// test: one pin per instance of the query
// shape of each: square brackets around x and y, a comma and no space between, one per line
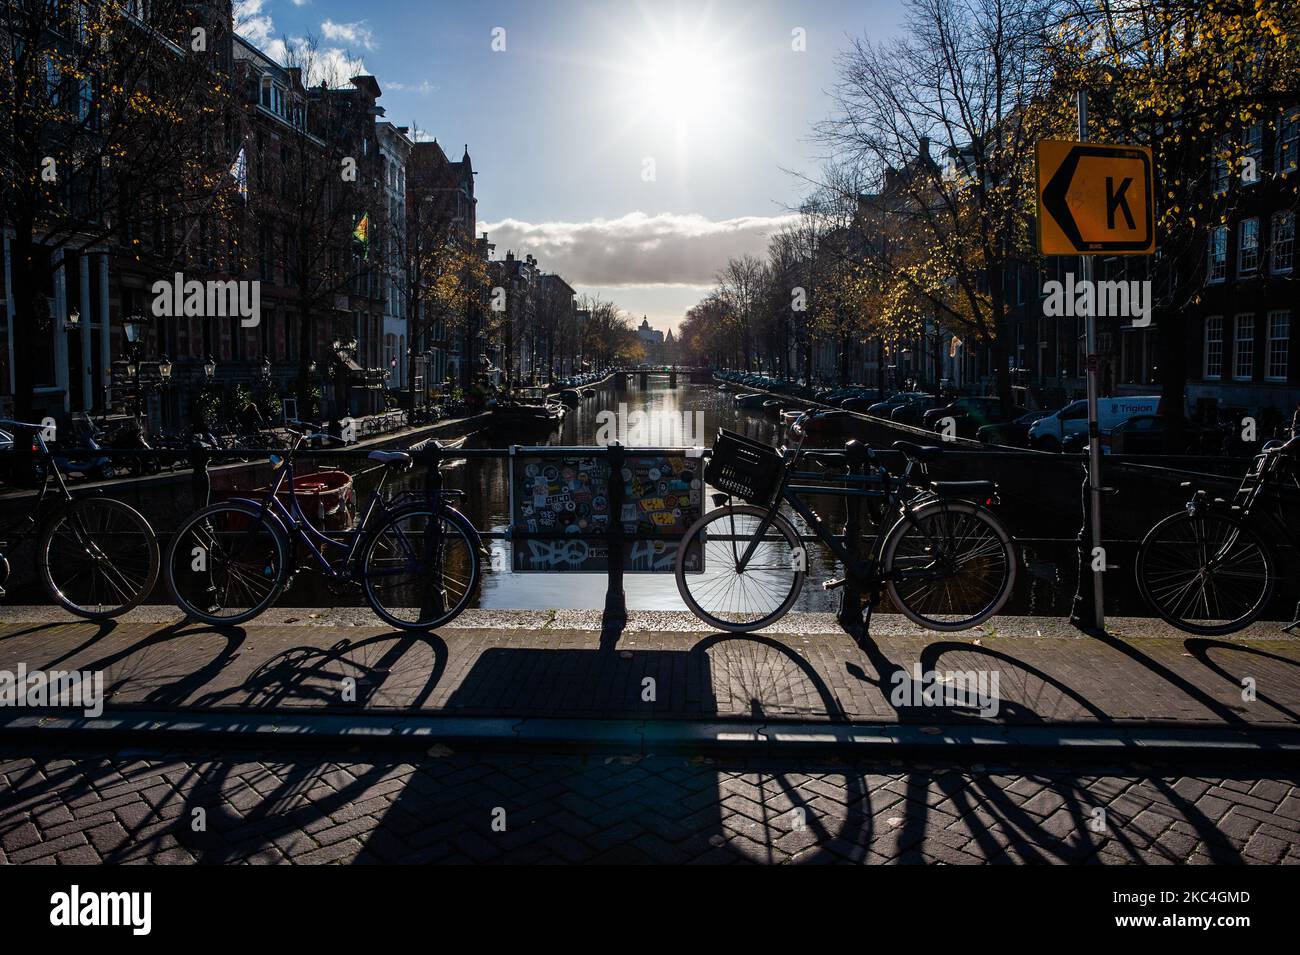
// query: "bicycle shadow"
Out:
[374,672]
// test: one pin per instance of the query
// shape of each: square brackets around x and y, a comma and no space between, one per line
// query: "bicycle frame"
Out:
[889,494]
[298,528]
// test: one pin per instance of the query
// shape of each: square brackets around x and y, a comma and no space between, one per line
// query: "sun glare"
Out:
[684,84]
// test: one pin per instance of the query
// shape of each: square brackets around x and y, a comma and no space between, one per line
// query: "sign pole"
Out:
[1094,433]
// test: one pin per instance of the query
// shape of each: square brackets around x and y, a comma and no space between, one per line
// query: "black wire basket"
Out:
[743,468]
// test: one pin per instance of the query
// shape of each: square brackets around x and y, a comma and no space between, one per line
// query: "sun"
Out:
[683,82]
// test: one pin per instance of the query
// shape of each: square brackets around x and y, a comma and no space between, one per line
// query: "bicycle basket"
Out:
[743,468]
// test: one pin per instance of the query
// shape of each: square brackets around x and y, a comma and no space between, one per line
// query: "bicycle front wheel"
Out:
[420,569]
[949,565]
[731,593]
[1205,573]
[226,564]
[98,558]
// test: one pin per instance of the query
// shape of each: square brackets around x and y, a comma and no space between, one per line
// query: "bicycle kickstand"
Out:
[1295,622]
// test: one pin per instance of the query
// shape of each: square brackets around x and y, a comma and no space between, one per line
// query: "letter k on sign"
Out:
[1094,198]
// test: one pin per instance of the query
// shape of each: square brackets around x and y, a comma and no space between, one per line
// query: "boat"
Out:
[571,397]
[528,409]
[588,392]
[752,400]
[772,408]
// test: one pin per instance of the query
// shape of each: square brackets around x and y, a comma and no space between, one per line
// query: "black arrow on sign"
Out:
[1054,200]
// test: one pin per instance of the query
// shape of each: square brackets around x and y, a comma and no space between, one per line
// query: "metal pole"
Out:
[1094,434]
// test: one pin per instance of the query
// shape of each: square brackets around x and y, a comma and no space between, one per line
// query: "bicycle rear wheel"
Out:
[949,565]
[226,564]
[98,557]
[419,570]
[730,597]
[1205,573]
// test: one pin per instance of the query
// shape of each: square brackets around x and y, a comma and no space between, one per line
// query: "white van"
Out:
[1046,434]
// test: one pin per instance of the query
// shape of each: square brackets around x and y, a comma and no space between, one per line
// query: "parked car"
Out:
[1050,432]
[913,412]
[970,414]
[1011,434]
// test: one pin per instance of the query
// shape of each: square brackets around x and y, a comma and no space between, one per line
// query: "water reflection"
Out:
[486,486]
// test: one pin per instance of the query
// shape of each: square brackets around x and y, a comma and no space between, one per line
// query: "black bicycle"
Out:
[97,557]
[946,562]
[416,558]
[1211,568]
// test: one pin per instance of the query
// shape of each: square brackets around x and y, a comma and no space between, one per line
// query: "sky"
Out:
[631,147]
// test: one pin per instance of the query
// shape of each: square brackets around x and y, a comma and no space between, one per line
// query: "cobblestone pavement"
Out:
[328,807]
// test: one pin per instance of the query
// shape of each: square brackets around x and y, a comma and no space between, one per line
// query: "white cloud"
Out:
[331,63]
[252,23]
[636,249]
[301,3]
[423,88]
[356,34]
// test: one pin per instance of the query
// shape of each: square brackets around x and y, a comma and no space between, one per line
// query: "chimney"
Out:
[923,148]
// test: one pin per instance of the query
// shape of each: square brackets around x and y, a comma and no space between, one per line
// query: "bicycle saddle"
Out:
[918,452]
[390,457]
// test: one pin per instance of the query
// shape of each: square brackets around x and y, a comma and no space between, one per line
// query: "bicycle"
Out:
[415,558]
[95,556]
[947,562]
[1208,569]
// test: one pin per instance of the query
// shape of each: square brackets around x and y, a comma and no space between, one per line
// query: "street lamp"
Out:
[266,367]
[165,368]
[209,368]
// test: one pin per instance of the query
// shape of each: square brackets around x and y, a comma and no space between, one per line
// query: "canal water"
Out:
[654,415]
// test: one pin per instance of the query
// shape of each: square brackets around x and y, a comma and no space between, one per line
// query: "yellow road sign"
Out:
[1094,198]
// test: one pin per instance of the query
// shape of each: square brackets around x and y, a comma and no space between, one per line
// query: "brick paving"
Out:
[325,807]
[555,671]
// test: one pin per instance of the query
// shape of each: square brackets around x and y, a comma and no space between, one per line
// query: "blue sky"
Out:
[630,146]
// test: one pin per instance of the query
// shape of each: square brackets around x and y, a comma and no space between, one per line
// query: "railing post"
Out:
[615,599]
[200,480]
[850,613]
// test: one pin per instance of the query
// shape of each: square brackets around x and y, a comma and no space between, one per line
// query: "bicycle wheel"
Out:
[1205,573]
[419,570]
[730,597]
[98,557]
[949,565]
[225,564]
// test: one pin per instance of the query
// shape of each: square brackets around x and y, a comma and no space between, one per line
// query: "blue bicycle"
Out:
[416,558]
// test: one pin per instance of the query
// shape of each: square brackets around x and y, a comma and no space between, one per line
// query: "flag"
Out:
[362,233]
[239,170]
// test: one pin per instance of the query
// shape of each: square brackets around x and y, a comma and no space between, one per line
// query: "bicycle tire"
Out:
[941,510]
[786,531]
[427,617]
[90,521]
[1151,574]
[183,538]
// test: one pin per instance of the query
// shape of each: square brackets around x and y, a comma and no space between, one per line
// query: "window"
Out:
[1213,346]
[1279,345]
[1288,142]
[1217,267]
[1254,154]
[1248,246]
[266,91]
[1221,165]
[1283,232]
[1243,352]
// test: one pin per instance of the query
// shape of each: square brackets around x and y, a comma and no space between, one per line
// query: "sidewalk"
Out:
[661,667]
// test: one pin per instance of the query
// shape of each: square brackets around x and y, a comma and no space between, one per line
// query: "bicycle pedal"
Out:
[832,584]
